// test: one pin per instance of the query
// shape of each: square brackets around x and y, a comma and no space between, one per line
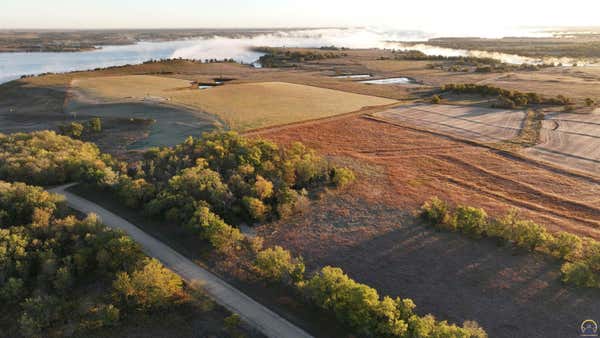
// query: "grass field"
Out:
[242,106]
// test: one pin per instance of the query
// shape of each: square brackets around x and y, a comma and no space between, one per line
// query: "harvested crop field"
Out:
[570,140]
[474,123]
[370,231]
[242,106]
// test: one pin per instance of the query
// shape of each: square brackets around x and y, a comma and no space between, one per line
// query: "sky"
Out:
[461,17]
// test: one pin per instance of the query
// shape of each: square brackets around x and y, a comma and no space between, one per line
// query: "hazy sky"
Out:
[460,16]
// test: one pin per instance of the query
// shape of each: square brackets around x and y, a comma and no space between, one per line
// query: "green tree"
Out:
[256,208]
[341,177]
[73,129]
[470,220]
[565,245]
[150,287]
[95,125]
[222,236]
[277,264]
[579,274]
[263,188]
[438,213]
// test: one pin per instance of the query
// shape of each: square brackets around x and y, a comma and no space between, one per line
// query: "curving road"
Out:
[255,314]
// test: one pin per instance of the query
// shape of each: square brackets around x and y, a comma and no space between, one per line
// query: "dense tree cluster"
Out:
[45,158]
[507,98]
[235,178]
[581,256]
[49,262]
[206,184]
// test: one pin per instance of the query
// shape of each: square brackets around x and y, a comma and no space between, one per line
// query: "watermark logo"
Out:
[588,328]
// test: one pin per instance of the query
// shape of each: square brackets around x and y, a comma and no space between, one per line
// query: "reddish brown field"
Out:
[370,231]
[417,165]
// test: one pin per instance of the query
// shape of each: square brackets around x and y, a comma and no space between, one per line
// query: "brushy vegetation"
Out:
[508,99]
[56,270]
[581,256]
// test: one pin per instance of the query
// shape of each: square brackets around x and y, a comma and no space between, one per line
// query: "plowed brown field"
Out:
[570,140]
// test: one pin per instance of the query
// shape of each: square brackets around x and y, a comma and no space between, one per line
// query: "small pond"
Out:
[353,76]
[392,80]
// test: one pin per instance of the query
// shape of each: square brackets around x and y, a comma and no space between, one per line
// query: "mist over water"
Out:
[13,65]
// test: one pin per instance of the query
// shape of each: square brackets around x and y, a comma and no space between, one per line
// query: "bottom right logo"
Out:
[588,328]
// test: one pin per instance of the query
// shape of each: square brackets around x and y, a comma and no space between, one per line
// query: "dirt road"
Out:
[263,319]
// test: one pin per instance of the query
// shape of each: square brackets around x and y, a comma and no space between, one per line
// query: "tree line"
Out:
[508,99]
[581,257]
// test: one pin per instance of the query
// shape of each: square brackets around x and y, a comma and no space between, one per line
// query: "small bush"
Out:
[232,322]
[579,274]
[565,245]
[73,129]
[437,212]
[504,103]
[530,235]
[590,102]
[341,177]
[95,125]
[435,99]
[472,221]
[101,315]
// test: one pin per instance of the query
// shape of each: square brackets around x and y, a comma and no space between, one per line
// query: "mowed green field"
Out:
[242,106]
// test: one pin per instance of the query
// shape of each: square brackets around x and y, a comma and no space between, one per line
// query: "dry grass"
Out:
[242,106]
[131,86]
[419,165]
